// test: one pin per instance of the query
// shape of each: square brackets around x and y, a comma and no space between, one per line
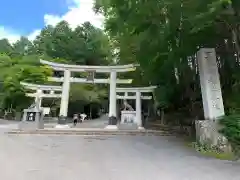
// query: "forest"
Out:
[164,36]
[20,62]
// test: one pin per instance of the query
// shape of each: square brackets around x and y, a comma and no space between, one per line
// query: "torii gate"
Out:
[138,96]
[39,92]
[67,69]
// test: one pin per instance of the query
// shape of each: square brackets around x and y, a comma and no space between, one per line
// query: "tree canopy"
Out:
[163,36]
[84,45]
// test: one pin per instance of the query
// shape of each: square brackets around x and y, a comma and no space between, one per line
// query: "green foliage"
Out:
[83,45]
[87,93]
[212,152]
[231,130]
[19,61]
[14,95]
[5,47]
[164,36]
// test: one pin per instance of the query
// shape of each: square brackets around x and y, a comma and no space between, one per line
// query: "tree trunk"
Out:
[162,116]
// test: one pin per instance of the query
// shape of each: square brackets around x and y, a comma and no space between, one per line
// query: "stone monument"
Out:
[32,118]
[128,117]
[207,130]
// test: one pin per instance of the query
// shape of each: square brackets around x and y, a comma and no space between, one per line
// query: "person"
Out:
[83,116]
[75,119]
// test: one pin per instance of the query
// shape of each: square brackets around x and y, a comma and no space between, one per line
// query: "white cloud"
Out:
[79,11]
[9,34]
[34,34]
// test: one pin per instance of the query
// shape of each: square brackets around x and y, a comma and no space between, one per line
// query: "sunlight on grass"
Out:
[210,152]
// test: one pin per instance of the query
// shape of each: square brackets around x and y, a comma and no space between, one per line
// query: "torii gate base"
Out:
[111,127]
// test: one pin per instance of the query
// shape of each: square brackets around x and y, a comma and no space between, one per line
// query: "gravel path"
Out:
[38,157]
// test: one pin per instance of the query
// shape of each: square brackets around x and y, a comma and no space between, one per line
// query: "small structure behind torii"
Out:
[137,114]
[39,94]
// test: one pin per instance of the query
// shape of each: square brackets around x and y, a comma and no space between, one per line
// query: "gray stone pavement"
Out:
[45,157]
[101,122]
[39,157]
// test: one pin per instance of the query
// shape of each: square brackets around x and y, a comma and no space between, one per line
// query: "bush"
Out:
[204,149]
[231,130]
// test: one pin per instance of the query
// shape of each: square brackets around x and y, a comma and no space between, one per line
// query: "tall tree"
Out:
[5,46]
[164,36]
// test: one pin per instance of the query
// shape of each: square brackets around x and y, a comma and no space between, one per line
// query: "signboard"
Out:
[31,116]
[90,75]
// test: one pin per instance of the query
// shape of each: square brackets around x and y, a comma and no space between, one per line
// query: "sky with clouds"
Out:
[28,17]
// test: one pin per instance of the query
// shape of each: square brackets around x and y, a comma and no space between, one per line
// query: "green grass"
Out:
[221,156]
[211,152]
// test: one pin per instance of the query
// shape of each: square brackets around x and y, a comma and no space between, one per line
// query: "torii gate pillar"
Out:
[138,109]
[112,99]
[65,97]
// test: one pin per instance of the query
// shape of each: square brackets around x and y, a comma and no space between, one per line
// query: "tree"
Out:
[164,36]
[5,46]
[19,61]
[22,47]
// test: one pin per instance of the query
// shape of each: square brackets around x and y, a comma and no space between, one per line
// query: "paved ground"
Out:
[39,157]
[96,123]
[29,157]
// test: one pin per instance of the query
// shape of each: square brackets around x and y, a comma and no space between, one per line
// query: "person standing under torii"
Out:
[75,119]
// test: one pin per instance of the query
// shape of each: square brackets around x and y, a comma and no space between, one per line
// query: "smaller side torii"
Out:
[39,94]
[138,96]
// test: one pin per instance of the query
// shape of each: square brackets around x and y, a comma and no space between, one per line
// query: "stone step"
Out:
[130,126]
[91,132]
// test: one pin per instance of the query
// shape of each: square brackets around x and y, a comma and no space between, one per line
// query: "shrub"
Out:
[231,130]
[206,150]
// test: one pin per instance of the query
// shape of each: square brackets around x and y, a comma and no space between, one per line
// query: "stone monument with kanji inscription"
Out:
[32,118]
[207,130]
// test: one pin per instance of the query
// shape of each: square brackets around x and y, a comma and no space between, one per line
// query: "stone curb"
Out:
[84,132]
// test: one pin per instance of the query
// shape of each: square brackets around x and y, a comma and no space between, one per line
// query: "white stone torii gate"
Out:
[39,91]
[133,97]
[95,81]
[67,69]
[138,91]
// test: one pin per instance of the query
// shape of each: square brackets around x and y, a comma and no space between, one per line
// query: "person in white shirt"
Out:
[82,117]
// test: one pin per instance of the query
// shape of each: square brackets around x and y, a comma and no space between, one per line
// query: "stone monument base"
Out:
[32,119]
[62,126]
[112,120]
[62,120]
[128,117]
[131,126]
[111,127]
[207,133]
[128,121]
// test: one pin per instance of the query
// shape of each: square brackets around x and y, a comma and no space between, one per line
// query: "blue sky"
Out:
[24,16]
[28,17]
